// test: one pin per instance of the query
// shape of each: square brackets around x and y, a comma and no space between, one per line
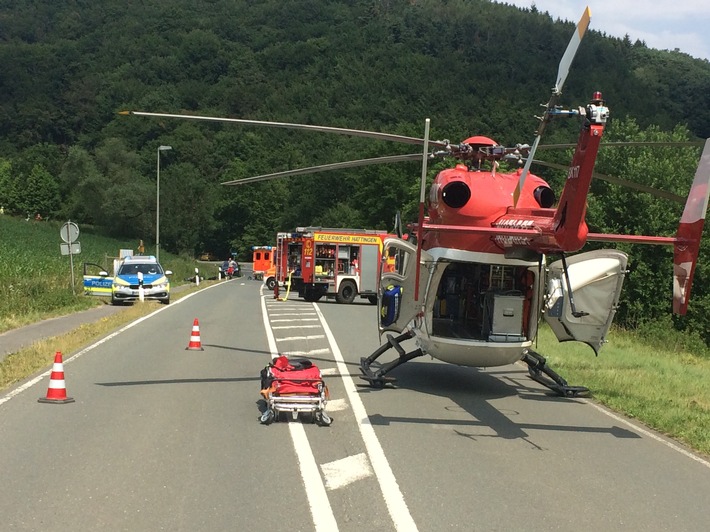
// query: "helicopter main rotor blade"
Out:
[630,144]
[287,125]
[622,182]
[326,167]
[562,72]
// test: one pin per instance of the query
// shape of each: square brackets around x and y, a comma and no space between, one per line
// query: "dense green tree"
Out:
[40,192]
[127,203]
[186,208]
[8,192]
[83,187]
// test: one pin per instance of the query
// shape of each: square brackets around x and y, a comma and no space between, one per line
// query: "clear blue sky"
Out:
[661,24]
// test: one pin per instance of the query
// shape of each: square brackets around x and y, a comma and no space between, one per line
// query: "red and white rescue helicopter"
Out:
[472,281]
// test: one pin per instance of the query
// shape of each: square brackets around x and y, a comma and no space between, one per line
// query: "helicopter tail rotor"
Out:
[562,72]
[690,230]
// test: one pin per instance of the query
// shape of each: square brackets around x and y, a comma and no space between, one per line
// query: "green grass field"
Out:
[657,376]
[36,279]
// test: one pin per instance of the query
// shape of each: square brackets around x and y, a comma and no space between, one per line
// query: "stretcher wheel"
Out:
[323,419]
[267,417]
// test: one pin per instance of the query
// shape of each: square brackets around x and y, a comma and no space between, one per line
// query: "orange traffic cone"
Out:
[57,392]
[195,343]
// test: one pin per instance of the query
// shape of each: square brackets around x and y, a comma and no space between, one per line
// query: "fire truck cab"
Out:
[338,263]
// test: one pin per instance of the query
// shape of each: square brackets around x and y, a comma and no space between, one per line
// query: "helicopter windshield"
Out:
[135,269]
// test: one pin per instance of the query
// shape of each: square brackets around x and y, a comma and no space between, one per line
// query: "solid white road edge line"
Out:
[648,433]
[640,429]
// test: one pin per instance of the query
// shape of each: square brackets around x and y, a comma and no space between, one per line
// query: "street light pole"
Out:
[157,204]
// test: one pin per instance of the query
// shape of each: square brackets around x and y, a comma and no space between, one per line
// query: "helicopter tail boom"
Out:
[568,223]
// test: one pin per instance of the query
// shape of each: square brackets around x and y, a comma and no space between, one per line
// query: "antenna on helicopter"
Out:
[422,196]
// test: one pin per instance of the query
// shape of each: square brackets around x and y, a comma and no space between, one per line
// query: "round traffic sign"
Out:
[69,232]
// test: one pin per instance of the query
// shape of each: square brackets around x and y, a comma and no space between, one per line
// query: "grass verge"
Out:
[668,391]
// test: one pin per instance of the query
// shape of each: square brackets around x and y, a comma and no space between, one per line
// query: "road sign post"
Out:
[70,249]
[69,233]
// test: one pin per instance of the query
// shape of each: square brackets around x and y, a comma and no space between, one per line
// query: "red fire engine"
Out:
[339,263]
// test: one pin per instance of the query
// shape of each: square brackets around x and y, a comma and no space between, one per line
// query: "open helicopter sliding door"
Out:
[396,304]
[581,304]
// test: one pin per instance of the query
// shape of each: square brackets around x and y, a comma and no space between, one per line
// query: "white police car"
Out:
[140,273]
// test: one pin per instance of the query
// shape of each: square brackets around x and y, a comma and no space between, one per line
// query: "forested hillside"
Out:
[472,66]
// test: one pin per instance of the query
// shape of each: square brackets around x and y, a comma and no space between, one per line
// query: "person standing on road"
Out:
[225,268]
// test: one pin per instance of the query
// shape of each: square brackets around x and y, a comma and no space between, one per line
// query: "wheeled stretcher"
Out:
[294,386]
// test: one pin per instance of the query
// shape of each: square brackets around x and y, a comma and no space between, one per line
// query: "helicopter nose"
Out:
[544,196]
[456,194]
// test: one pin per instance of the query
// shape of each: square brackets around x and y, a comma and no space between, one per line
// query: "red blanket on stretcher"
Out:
[294,379]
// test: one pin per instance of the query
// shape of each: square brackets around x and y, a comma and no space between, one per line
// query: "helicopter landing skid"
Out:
[378,378]
[540,372]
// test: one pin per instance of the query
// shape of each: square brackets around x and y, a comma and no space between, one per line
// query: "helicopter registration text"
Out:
[509,241]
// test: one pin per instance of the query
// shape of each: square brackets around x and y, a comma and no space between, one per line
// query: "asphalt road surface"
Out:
[164,438]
